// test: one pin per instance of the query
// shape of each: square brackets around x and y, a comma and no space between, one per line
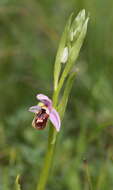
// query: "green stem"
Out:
[61,82]
[45,172]
[48,162]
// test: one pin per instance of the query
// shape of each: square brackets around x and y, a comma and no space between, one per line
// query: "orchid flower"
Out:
[44,111]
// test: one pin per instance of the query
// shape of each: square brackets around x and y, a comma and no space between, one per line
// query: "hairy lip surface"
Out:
[41,119]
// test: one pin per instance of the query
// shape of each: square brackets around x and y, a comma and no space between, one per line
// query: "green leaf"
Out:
[57,67]
[63,103]
[64,100]
[74,52]
[17,183]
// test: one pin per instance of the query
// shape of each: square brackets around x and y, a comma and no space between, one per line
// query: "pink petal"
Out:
[44,99]
[55,119]
[34,109]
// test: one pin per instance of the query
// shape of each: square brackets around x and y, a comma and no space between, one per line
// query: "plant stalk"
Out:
[45,172]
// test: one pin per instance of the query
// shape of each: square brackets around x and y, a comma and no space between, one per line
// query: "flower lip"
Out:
[40,119]
[43,112]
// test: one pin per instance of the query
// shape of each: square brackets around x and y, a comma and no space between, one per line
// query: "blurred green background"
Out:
[30,31]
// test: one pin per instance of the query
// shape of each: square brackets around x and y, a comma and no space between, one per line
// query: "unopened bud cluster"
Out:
[72,35]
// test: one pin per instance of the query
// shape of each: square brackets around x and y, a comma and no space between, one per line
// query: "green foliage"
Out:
[17,183]
[29,35]
[65,97]
[62,45]
[77,26]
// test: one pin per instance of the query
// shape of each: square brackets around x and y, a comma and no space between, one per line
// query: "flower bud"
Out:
[77,26]
[64,57]
[80,15]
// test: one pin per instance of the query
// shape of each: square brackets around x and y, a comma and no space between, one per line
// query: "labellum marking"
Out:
[40,119]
